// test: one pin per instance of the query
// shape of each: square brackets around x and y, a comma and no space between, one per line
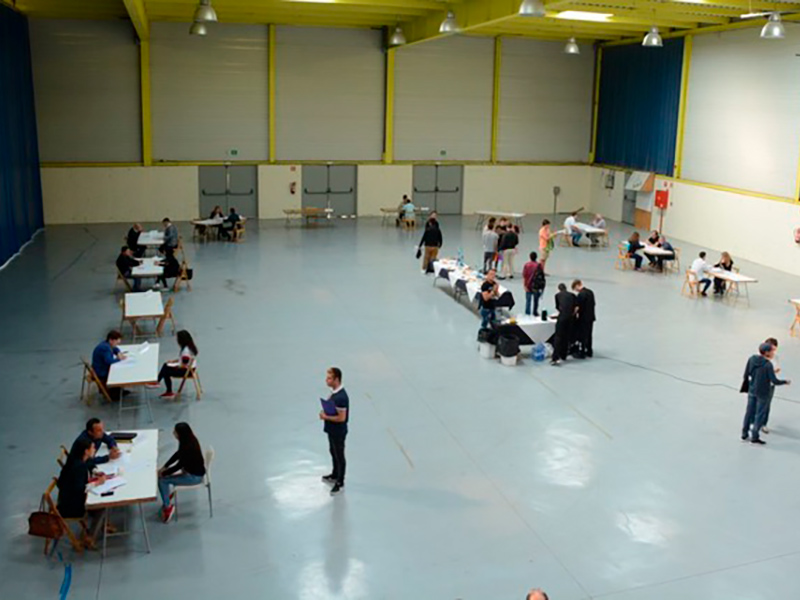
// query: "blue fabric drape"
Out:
[637,117]
[21,212]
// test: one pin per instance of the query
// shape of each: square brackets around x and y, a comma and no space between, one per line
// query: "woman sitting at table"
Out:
[653,239]
[725,262]
[72,482]
[634,245]
[185,467]
[217,213]
[177,368]
[172,268]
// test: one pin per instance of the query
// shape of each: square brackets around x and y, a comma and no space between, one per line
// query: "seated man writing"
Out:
[125,264]
[105,354]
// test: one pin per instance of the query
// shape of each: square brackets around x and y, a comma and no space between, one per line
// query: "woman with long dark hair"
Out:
[185,467]
[177,368]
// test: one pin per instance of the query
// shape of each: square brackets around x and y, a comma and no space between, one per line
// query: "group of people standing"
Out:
[575,322]
[500,241]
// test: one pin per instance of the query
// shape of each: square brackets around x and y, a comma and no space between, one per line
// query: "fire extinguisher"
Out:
[293,188]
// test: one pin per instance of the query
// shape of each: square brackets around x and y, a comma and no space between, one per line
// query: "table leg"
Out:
[144,528]
[104,525]
[480,222]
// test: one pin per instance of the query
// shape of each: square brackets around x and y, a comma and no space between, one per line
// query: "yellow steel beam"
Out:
[498,65]
[271,70]
[397,6]
[470,14]
[555,36]
[147,132]
[229,11]
[138,17]
[665,17]
[568,28]
[598,65]
[388,113]
[687,61]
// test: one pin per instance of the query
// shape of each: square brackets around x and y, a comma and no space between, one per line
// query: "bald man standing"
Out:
[536,594]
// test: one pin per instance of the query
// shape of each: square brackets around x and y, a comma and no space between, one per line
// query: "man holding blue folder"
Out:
[335,413]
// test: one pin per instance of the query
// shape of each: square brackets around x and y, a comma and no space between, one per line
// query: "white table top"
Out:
[151,238]
[148,268]
[139,368]
[143,304]
[215,221]
[656,251]
[795,301]
[584,228]
[494,213]
[732,276]
[534,327]
[138,466]
[471,277]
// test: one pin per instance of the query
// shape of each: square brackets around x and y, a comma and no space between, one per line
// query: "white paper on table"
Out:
[108,469]
[111,484]
[145,347]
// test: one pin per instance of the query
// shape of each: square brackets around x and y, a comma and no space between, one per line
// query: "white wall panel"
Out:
[329,94]
[210,95]
[443,100]
[743,113]
[545,102]
[86,82]
[382,186]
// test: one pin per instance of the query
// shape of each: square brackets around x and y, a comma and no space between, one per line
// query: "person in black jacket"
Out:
[565,305]
[125,264]
[132,240]
[172,268]
[185,467]
[506,247]
[759,377]
[74,478]
[432,241]
[586,318]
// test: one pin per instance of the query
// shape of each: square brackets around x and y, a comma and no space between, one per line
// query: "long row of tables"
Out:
[466,281]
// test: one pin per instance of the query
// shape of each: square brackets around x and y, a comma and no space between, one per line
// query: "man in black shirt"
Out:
[336,428]
[490,290]
[125,264]
[586,318]
[565,305]
[229,224]
[133,240]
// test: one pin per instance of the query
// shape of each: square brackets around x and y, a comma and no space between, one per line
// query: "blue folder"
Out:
[329,407]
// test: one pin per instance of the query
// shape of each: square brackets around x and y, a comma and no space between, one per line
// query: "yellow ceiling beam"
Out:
[586,30]
[470,14]
[228,12]
[396,5]
[666,16]
[138,17]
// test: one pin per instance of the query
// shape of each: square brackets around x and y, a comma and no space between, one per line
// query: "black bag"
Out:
[539,282]
[419,253]
[745,389]
[189,274]
[487,336]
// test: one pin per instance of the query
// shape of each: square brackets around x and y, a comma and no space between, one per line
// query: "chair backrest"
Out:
[168,306]
[210,454]
[62,456]
[95,379]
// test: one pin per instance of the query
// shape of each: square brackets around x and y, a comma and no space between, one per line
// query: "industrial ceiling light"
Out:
[572,47]
[449,25]
[198,29]
[532,8]
[398,38]
[205,13]
[774,29]
[653,39]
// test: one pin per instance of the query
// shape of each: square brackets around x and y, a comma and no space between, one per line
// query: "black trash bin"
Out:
[487,336]
[508,346]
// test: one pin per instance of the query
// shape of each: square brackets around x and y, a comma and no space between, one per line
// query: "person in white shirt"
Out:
[177,368]
[572,229]
[701,269]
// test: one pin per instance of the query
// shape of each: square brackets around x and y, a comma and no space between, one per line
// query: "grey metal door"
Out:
[424,183]
[342,189]
[448,189]
[330,186]
[315,186]
[229,186]
[439,188]
[243,190]
[629,207]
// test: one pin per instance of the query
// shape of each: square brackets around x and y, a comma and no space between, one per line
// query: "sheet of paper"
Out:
[111,484]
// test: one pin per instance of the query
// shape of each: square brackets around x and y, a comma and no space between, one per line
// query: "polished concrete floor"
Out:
[621,477]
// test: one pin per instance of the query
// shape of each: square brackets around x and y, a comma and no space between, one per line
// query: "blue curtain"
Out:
[21,213]
[637,117]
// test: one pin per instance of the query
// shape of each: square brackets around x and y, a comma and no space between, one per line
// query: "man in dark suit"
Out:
[586,318]
[565,305]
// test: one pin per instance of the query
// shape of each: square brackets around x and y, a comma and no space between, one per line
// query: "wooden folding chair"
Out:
[126,284]
[166,316]
[691,287]
[50,506]
[796,323]
[239,231]
[183,277]
[675,264]
[409,223]
[564,238]
[63,453]
[191,373]
[90,377]
[623,262]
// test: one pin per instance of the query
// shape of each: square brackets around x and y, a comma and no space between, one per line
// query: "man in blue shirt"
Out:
[336,428]
[105,354]
[96,434]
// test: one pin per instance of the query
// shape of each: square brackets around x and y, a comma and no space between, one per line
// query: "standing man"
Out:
[336,428]
[776,366]
[170,236]
[586,318]
[534,282]
[432,241]
[759,376]
[489,239]
[565,305]
[701,268]
[490,290]
[546,243]
[507,246]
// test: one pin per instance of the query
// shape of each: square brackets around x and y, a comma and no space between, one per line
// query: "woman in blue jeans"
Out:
[185,467]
